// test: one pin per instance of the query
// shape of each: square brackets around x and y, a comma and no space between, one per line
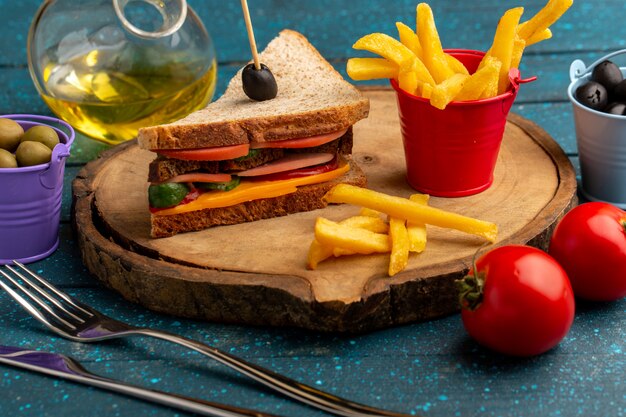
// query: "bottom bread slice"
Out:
[306,198]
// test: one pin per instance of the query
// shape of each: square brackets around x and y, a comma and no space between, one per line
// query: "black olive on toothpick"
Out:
[259,84]
[258,81]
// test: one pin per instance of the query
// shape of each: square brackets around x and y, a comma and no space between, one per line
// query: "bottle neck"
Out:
[173,14]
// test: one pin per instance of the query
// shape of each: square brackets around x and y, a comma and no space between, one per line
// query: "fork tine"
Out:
[52,288]
[29,307]
[45,295]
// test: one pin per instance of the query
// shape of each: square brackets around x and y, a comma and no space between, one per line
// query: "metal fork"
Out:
[76,321]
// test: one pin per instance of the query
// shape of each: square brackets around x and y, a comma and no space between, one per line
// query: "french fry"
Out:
[491,84]
[445,92]
[317,253]
[518,49]
[373,224]
[420,198]
[417,231]
[369,212]
[549,14]
[362,241]
[403,208]
[408,81]
[538,37]
[371,69]
[409,38]
[337,252]
[502,47]
[456,65]
[421,67]
[433,54]
[480,81]
[426,90]
[423,75]
[389,48]
[399,238]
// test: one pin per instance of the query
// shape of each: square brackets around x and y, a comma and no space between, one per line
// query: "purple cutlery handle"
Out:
[65,367]
[37,359]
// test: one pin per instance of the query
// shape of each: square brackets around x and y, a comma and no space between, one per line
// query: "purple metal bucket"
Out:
[30,198]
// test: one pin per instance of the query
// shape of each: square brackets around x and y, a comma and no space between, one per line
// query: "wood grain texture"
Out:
[254,272]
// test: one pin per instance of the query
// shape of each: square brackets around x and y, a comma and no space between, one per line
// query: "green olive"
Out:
[7,159]
[32,153]
[43,134]
[10,134]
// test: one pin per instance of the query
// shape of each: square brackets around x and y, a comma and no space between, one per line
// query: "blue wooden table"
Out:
[429,369]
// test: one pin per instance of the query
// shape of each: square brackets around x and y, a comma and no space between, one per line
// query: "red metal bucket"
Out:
[453,152]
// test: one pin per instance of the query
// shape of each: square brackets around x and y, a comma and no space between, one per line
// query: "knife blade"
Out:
[65,367]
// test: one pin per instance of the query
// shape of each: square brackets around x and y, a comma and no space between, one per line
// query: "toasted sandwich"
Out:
[239,160]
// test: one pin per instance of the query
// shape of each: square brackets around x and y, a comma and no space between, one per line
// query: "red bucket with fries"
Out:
[453,152]
[453,104]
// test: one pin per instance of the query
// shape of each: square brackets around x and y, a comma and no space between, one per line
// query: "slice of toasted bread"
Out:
[312,99]
[306,198]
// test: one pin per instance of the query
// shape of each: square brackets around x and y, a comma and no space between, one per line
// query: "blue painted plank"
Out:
[20,95]
[336,24]
[85,149]
[410,368]
[428,368]
[494,390]
[555,117]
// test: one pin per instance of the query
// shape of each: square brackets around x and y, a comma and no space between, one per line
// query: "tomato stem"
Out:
[471,290]
[623,222]
[471,286]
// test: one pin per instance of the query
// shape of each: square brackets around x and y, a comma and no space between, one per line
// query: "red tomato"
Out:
[590,244]
[523,304]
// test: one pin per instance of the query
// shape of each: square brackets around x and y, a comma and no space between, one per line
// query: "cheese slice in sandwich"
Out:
[239,160]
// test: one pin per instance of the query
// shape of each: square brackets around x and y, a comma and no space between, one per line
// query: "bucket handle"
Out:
[50,176]
[578,69]
[516,79]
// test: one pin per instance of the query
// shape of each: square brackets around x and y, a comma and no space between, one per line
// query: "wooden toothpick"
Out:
[246,16]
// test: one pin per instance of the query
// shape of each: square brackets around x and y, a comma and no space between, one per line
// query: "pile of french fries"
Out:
[403,231]
[421,67]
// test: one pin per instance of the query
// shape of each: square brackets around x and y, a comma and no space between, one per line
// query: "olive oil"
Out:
[112,106]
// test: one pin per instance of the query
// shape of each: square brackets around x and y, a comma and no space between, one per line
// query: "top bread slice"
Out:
[312,99]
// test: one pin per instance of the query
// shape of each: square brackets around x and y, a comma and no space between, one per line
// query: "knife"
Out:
[68,368]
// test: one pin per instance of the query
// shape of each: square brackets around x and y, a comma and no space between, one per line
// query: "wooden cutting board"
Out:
[254,273]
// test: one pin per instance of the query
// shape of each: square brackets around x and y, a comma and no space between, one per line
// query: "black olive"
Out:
[608,74]
[616,108]
[259,84]
[620,91]
[592,95]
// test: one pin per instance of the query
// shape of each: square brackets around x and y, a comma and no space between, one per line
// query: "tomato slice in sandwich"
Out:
[301,172]
[219,153]
[300,143]
[288,163]
[201,177]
